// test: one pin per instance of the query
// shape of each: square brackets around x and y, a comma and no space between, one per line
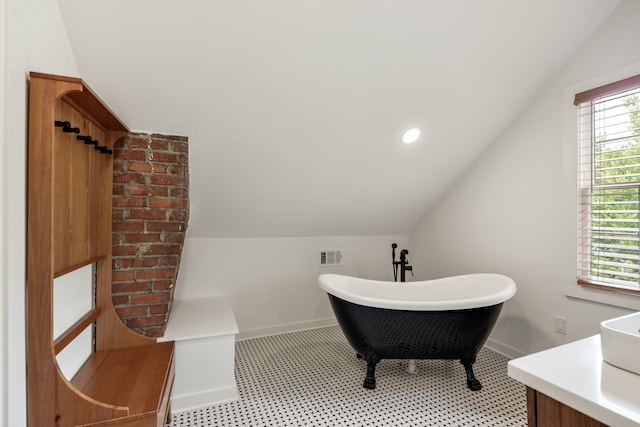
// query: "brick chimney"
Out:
[150,216]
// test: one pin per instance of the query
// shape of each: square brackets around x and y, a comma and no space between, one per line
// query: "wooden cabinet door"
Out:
[544,411]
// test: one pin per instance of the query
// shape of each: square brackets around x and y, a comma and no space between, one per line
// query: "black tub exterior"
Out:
[380,333]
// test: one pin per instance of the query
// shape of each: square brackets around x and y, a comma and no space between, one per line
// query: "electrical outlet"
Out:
[561,325]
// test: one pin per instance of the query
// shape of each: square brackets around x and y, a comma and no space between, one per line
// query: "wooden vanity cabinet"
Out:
[543,411]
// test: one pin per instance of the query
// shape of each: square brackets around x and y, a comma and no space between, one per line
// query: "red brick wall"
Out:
[150,215]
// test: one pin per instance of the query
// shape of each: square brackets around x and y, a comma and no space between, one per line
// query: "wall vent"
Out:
[329,257]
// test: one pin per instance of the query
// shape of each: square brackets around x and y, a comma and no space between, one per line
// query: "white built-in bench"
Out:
[204,330]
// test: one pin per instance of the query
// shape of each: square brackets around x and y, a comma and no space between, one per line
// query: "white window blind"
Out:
[609,186]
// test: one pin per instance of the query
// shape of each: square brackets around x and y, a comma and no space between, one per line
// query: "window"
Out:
[609,186]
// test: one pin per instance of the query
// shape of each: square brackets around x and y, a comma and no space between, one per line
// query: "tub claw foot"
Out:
[369,383]
[370,379]
[472,381]
[474,384]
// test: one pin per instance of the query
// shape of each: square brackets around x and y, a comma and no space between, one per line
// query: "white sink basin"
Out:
[620,338]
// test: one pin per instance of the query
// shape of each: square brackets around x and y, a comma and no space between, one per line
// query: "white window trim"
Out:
[569,154]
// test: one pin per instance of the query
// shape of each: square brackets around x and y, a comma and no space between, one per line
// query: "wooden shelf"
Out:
[137,378]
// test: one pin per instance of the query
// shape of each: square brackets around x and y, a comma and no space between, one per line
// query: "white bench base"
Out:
[204,330]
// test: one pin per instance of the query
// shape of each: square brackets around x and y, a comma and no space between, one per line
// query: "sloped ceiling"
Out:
[294,109]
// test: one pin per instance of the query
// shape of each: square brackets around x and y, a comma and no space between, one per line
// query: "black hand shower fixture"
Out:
[404,267]
[403,263]
[393,261]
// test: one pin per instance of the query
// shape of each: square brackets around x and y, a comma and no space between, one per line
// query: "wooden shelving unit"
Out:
[128,378]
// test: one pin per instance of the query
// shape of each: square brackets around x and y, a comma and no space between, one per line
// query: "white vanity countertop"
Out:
[576,375]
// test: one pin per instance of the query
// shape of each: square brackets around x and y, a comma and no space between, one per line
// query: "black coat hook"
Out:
[87,139]
[103,149]
[66,126]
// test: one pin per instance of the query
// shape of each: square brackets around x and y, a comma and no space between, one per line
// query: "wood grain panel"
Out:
[61,175]
[551,413]
[133,376]
[79,155]
[532,411]
[99,182]
[71,175]
[42,373]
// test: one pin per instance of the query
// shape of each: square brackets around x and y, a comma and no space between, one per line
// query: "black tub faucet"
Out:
[403,263]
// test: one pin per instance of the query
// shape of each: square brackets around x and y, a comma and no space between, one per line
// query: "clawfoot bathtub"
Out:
[449,318]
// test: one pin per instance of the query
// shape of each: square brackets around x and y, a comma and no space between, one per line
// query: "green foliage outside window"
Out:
[615,196]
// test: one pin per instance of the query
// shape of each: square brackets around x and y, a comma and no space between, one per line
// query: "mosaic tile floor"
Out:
[312,378]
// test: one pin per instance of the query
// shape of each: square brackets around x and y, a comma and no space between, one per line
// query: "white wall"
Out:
[271,282]
[13,212]
[4,137]
[508,213]
[32,38]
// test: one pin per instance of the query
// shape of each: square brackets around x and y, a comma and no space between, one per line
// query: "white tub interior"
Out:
[449,293]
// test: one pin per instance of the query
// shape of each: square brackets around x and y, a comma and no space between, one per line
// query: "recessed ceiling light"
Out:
[411,136]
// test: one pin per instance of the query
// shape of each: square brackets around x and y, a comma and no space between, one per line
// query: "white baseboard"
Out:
[504,349]
[203,399]
[285,328]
